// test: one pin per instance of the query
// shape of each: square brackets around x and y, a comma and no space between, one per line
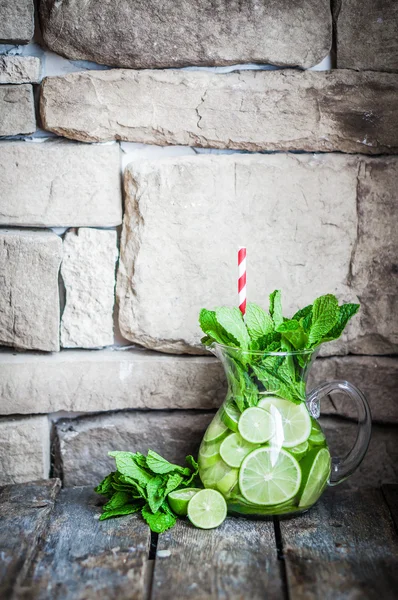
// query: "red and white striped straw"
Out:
[242,279]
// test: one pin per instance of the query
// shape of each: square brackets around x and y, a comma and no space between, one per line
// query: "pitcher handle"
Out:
[343,467]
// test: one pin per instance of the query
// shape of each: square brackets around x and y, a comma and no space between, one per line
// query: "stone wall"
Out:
[124,193]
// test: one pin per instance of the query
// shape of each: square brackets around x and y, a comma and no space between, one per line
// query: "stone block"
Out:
[17,110]
[29,299]
[19,69]
[16,21]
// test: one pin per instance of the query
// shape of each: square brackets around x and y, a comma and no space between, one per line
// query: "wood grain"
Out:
[390,493]
[236,561]
[83,558]
[24,514]
[345,547]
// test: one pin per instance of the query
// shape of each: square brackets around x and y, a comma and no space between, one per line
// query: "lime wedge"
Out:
[234,449]
[292,421]
[299,451]
[179,499]
[228,482]
[317,478]
[216,430]
[256,425]
[212,475]
[269,476]
[230,415]
[317,436]
[207,509]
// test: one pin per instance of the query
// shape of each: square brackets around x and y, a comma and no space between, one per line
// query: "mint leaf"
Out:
[160,521]
[140,459]
[213,330]
[293,332]
[303,312]
[156,492]
[126,465]
[119,499]
[258,322]
[192,462]
[232,321]
[127,509]
[346,312]
[275,307]
[160,465]
[105,488]
[173,482]
[325,312]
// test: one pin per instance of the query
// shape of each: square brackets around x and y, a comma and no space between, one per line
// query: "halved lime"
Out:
[209,453]
[178,500]
[318,476]
[234,449]
[228,482]
[230,415]
[299,451]
[317,437]
[207,509]
[216,430]
[212,475]
[292,421]
[269,476]
[256,425]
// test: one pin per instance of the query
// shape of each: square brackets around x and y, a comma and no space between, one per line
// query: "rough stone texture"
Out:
[298,216]
[376,376]
[250,110]
[24,449]
[87,381]
[83,443]
[29,299]
[88,272]
[17,109]
[156,34]
[83,381]
[19,69]
[367,34]
[58,183]
[16,21]
[380,464]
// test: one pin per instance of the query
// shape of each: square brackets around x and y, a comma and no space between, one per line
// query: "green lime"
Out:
[207,509]
[179,499]
[230,415]
[299,451]
[256,425]
[269,476]
[234,449]
[216,430]
[212,475]
[317,478]
[317,437]
[209,453]
[228,482]
[292,421]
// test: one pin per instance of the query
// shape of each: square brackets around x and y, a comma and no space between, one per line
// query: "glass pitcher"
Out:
[265,450]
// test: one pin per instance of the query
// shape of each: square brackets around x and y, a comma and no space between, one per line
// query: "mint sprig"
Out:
[142,483]
[262,332]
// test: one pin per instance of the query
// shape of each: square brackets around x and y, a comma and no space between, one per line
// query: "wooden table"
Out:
[52,546]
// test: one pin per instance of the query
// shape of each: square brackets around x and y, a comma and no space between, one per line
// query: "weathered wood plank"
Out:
[390,493]
[345,547]
[237,560]
[83,558]
[24,514]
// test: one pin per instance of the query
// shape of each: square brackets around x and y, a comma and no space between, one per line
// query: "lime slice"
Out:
[230,415]
[179,499]
[317,436]
[269,476]
[256,425]
[212,475]
[216,430]
[292,421]
[317,479]
[207,509]
[299,451]
[228,482]
[234,449]
[209,453]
